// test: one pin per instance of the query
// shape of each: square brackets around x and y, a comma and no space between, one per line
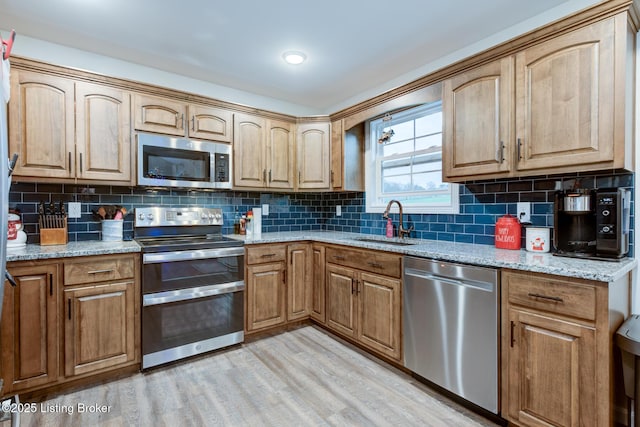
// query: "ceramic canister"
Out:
[538,239]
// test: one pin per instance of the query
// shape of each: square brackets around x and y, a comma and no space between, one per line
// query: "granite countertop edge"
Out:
[34,252]
[483,255]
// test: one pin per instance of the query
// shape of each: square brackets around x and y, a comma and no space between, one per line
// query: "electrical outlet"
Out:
[75,210]
[265,209]
[338,210]
[524,212]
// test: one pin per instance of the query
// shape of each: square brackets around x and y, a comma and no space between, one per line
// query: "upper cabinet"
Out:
[347,157]
[313,146]
[263,152]
[171,117]
[571,110]
[66,130]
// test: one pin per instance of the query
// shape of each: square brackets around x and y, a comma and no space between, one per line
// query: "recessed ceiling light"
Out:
[294,57]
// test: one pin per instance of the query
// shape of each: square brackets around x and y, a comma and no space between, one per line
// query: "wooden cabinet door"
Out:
[280,155]
[337,144]
[318,284]
[565,99]
[41,125]
[341,300]
[29,334]
[313,146]
[478,118]
[266,299]
[99,327]
[103,128]
[379,303]
[210,123]
[299,281]
[160,115]
[249,145]
[550,378]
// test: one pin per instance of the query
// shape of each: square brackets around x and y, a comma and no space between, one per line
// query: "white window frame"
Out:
[373,166]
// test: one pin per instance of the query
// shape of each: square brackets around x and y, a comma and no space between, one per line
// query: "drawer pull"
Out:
[338,257]
[538,296]
[110,270]
[268,255]
[375,265]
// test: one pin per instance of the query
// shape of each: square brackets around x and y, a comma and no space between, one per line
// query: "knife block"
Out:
[54,236]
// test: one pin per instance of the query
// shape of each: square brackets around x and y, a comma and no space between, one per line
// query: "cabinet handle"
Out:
[519,143]
[358,287]
[111,270]
[69,161]
[269,175]
[513,326]
[180,120]
[193,123]
[375,265]
[264,175]
[500,154]
[338,257]
[50,284]
[332,177]
[69,305]
[299,177]
[80,162]
[284,276]
[267,255]
[539,296]
[352,287]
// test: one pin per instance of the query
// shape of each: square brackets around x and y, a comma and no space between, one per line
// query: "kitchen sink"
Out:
[384,242]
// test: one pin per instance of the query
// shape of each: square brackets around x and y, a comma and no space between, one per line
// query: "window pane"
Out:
[397,148]
[429,181]
[402,131]
[429,141]
[396,184]
[403,170]
[429,124]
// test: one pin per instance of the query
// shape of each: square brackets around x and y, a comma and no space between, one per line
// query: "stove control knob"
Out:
[203,216]
[150,217]
[218,216]
[141,217]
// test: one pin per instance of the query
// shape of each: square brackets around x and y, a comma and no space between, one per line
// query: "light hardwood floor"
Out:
[302,377]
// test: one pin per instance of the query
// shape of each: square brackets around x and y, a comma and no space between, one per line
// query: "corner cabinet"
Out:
[314,156]
[364,298]
[30,333]
[172,117]
[265,286]
[558,359]
[69,130]
[571,111]
[263,152]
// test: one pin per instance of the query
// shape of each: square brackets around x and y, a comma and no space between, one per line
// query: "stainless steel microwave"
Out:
[165,161]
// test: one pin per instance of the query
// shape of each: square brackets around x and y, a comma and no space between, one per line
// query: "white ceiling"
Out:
[352,46]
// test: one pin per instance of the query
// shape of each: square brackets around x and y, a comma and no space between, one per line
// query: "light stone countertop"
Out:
[71,249]
[485,255]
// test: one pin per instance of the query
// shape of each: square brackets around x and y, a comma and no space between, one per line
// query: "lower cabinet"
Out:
[318,284]
[265,290]
[299,286]
[558,360]
[69,319]
[362,305]
[30,344]
[99,327]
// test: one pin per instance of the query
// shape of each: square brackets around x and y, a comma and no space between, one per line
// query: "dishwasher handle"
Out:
[426,275]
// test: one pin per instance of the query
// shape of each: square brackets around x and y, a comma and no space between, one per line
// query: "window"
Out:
[407,166]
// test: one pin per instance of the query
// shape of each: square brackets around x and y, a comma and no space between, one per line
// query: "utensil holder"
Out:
[112,230]
[54,236]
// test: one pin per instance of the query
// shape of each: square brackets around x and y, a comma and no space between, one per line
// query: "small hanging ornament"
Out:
[386,135]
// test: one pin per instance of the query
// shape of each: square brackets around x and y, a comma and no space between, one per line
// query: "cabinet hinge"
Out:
[513,326]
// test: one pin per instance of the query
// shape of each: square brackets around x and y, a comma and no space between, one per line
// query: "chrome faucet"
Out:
[402,232]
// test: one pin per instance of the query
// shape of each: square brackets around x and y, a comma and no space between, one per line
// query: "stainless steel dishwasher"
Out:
[451,324]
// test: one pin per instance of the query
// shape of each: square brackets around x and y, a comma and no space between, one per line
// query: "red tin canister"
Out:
[508,232]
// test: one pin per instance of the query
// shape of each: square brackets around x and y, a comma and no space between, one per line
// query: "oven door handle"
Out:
[155,258]
[191,293]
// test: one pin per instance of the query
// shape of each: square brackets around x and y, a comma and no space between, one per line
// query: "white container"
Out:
[538,239]
[257,223]
[112,230]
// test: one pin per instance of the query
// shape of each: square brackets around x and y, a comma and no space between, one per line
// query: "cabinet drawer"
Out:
[98,270]
[267,253]
[374,262]
[552,295]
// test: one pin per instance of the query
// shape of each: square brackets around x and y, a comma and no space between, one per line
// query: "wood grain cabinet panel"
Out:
[266,295]
[280,154]
[314,155]
[161,115]
[249,145]
[92,270]
[341,300]
[42,125]
[29,334]
[318,311]
[103,133]
[210,123]
[99,327]
[299,281]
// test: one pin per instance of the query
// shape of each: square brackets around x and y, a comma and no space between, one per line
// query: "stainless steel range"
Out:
[192,283]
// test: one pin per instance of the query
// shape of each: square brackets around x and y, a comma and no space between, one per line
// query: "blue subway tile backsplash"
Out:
[481,204]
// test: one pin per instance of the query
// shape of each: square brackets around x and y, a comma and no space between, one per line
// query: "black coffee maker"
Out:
[592,223]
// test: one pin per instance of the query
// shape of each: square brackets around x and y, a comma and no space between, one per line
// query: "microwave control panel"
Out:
[221,168]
